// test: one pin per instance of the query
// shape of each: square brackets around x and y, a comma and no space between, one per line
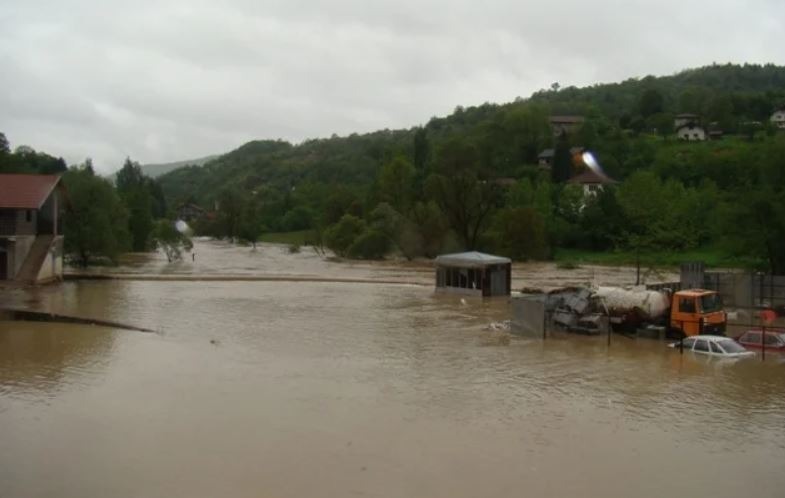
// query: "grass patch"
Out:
[299,238]
[712,257]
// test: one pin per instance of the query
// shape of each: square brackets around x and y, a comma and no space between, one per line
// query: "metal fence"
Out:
[748,290]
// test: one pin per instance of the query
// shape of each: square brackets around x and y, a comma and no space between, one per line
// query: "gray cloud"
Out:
[168,80]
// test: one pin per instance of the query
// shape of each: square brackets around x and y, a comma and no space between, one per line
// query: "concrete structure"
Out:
[31,241]
[778,118]
[474,274]
[691,133]
[591,181]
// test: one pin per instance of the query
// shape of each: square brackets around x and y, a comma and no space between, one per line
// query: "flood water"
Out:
[289,387]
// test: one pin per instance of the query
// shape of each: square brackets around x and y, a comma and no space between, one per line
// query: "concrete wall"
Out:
[52,267]
[17,255]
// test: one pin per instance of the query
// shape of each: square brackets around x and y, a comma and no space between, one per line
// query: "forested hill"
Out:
[471,180]
[508,137]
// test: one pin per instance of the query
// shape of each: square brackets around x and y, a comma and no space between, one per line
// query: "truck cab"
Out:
[697,311]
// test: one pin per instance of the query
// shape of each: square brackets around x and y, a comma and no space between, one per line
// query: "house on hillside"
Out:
[190,212]
[545,159]
[685,119]
[691,133]
[591,182]
[778,118]
[565,124]
[31,240]
[473,274]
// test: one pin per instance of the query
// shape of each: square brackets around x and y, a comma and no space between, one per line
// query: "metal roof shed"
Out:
[473,273]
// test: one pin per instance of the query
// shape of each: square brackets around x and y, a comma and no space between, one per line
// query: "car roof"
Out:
[714,338]
[695,292]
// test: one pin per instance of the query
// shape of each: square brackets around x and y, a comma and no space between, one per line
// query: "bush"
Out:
[372,244]
[343,234]
[296,219]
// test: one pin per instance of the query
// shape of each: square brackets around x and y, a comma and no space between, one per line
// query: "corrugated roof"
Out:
[26,191]
[590,177]
[471,259]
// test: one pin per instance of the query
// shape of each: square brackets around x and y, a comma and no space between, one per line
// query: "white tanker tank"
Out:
[649,305]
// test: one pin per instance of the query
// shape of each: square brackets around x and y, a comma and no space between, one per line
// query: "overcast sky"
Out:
[168,80]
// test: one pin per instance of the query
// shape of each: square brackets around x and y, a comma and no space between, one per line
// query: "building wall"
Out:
[778,118]
[52,267]
[691,134]
[26,221]
[18,254]
[7,222]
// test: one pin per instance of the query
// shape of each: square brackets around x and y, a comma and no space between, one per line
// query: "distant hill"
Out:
[504,138]
[156,170]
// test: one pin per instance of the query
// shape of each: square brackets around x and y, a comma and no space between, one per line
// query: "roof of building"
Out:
[547,153]
[566,119]
[19,191]
[471,259]
[591,177]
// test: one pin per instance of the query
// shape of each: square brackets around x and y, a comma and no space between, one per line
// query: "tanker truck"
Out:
[684,312]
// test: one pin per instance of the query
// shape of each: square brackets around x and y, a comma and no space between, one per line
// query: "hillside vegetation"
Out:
[471,180]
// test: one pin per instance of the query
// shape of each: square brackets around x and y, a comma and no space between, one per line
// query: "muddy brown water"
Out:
[297,388]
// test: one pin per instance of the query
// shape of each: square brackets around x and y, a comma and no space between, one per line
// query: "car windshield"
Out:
[711,303]
[732,347]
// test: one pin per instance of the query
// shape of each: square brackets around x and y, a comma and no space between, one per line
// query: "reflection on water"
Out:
[330,389]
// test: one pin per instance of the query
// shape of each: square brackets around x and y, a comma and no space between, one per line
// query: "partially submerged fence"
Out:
[535,317]
[747,290]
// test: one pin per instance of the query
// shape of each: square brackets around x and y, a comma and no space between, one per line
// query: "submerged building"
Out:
[31,240]
[473,273]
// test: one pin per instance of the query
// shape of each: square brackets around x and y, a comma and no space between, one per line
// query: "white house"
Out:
[691,133]
[591,182]
[684,119]
[778,118]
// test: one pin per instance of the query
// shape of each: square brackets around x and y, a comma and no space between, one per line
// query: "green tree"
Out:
[466,200]
[135,190]
[520,234]
[170,240]
[561,169]
[341,236]
[651,102]
[396,180]
[96,223]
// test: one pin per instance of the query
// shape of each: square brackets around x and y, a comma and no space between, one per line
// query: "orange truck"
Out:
[697,311]
[684,312]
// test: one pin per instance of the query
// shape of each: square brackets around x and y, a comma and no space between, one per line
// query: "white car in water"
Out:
[714,345]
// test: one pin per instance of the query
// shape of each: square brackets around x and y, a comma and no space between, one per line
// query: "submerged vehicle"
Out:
[774,339]
[714,345]
[683,313]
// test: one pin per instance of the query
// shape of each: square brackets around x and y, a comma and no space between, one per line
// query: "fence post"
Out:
[763,343]
[609,329]
[681,339]
[544,323]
